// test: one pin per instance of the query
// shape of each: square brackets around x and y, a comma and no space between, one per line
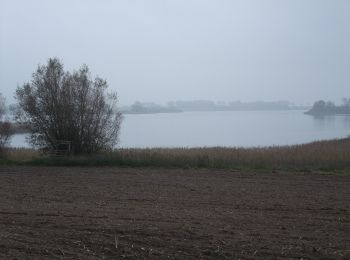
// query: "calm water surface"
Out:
[228,128]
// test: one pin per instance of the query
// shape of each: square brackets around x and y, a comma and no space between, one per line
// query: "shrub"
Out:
[59,105]
[5,126]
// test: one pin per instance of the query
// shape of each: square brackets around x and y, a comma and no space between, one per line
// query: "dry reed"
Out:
[321,155]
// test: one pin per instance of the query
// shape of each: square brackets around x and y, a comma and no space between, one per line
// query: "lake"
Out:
[225,128]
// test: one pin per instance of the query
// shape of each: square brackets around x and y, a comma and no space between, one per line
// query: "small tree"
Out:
[5,126]
[59,105]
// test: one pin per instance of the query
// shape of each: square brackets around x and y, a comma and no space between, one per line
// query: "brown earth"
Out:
[115,213]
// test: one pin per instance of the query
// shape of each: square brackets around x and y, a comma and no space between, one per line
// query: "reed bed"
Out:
[321,155]
[20,154]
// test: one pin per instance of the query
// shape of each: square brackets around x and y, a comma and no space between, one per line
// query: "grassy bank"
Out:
[331,155]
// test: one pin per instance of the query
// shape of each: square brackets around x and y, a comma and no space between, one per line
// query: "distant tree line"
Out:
[322,107]
[149,108]
[207,105]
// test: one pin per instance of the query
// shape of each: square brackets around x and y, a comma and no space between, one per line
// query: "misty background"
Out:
[161,50]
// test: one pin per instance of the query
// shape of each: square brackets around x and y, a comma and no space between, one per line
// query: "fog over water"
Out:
[225,128]
[162,50]
[218,50]
[230,128]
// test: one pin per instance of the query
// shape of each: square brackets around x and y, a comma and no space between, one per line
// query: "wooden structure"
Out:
[60,148]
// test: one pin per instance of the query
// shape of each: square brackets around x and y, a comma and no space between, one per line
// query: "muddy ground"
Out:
[112,213]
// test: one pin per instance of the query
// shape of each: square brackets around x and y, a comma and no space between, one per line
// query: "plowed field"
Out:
[116,213]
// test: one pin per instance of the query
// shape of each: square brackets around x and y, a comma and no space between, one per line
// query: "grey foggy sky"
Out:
[297,50]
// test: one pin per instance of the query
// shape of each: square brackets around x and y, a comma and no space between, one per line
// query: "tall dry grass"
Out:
[329,155]
[20,154]
[322,155]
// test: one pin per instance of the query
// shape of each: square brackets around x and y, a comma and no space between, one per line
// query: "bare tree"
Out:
[59,105]
[5,126]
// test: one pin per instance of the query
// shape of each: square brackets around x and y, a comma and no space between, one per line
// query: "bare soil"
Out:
[116,213]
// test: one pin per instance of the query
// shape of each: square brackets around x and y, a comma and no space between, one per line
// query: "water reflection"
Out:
[331,121]
[346,122]
[20,141]
[324,122]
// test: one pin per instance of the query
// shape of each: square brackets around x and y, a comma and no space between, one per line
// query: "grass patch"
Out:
[333,155]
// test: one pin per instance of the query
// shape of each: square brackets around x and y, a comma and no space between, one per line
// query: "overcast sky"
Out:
[297,50]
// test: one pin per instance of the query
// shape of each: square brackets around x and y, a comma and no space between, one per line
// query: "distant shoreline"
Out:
[129,112]
[207,106]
